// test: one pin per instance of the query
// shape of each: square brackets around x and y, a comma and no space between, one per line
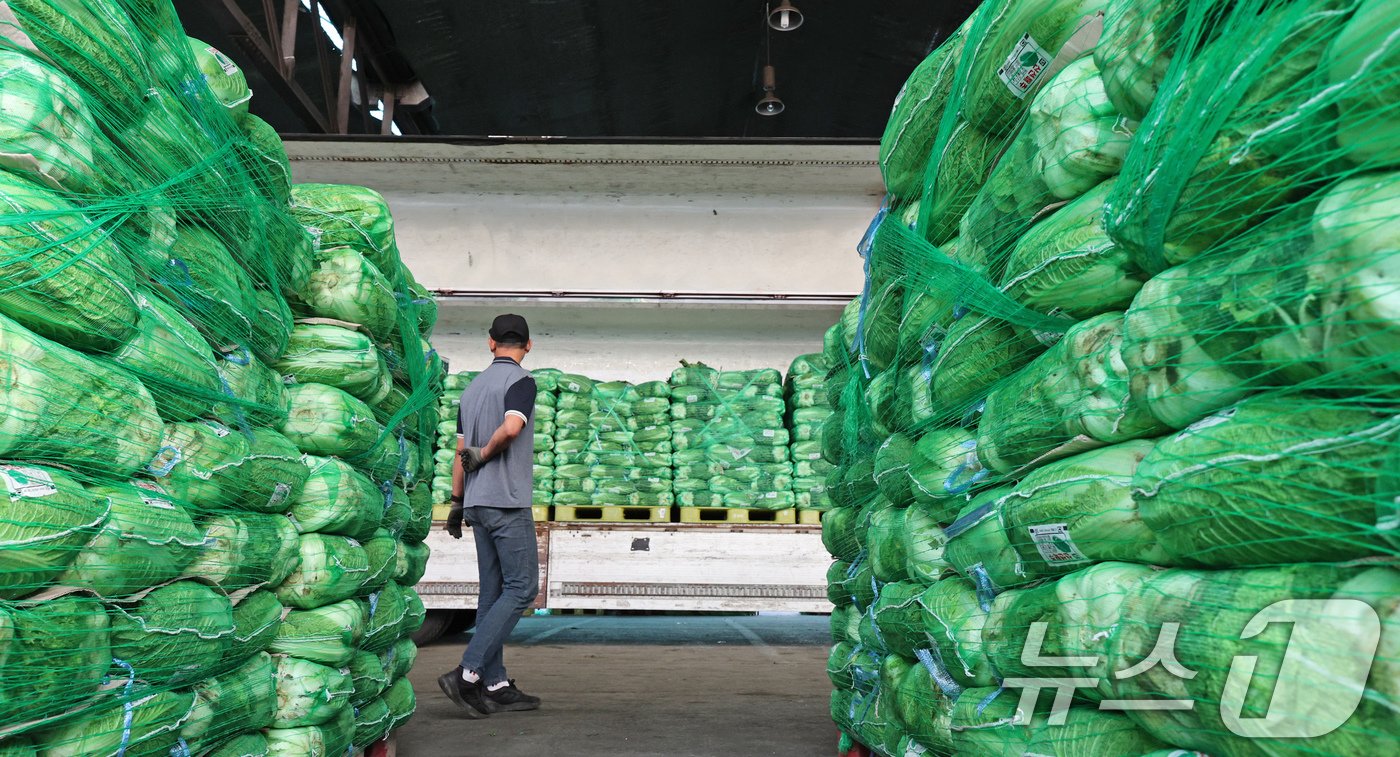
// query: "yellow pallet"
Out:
[540,512]
[810,517]
[736,515]
[611,514]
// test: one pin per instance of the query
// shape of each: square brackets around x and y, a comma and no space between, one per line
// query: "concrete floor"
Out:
[681,686]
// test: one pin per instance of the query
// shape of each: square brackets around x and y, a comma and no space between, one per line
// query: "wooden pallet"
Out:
[611,514]
[810,517]
[736,515]
[540,512]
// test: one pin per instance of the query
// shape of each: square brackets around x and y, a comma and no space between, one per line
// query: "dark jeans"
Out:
[508,559]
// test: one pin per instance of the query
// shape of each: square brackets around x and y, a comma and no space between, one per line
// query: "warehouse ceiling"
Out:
[604,68]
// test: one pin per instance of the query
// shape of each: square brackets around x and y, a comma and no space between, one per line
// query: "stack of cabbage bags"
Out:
[731,446]
[546,397]
[1122,383]
[218,411]
[573,434]
[447,406]
[808,407]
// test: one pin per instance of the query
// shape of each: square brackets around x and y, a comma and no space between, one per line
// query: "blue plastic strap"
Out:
[951,484]
[987,701]
[373,604]
[965,523]
[986,590]
[932,660]
[240,356]
[387,489]
[128,708]
[181,748]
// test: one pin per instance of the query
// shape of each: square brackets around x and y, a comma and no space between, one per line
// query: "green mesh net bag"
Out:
[156,257]
[1142,388]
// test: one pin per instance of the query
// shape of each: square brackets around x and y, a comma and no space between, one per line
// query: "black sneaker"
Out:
[509,698]
[469,696]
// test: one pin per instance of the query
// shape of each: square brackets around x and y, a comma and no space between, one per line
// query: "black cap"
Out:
[510,329]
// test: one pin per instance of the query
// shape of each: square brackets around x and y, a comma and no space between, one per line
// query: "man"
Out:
[492,482]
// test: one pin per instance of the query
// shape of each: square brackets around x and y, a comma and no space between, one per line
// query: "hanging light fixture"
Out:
[785,17]
[770,105]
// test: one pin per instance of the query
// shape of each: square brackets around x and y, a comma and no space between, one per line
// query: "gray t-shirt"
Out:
[506,480]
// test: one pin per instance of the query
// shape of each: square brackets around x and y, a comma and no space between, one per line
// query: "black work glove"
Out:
[454,518]
[471,459]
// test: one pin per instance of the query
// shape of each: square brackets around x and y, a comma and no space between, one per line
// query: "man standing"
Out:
[492,477]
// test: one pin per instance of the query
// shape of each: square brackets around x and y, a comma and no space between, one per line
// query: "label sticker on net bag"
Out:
[27,482]
[1024,66]
[1053,542]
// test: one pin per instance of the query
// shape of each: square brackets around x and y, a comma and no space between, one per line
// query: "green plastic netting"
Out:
[1125,365]
[160,275]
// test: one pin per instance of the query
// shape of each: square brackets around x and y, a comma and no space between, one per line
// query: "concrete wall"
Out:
[625,258]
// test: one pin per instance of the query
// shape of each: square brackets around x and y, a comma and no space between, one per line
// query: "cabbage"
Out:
[256,619]
[48,519]
[140,722]
[1209,164]
[338,357]
[1139,40]
[897,616]
[174,633]
[48,131]
[401,700]
[222,75]
[247,549]
[370,677]
[924,545]
[329,740]
[414,613]
[309,693]
[1272,480]
[261,396]
[347,287]
[923,709]
[886,544]
[990,103]
[266,159]
[372,722]
[912,128]
[1081,510]
[400,658]
[944,468]
[385,554]
[199,463]
[273,473]
[978,353]
[989,721]
[146,541]
[892,469]
[337,499]
[241,700]
[172,359]
[417,557]
[199,276]
[387,611]
[1087,732]
[65,279]
[838,533]
[420,499]
[1073,398]
[962,168]
[954,620]
[243,745]
[1365,59]
[61,406]
[979,547]
[324,420]
[344,214]
[1072,140]
[332,568]
[327,635]
[55,654]
[1068,264]
[272,325]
